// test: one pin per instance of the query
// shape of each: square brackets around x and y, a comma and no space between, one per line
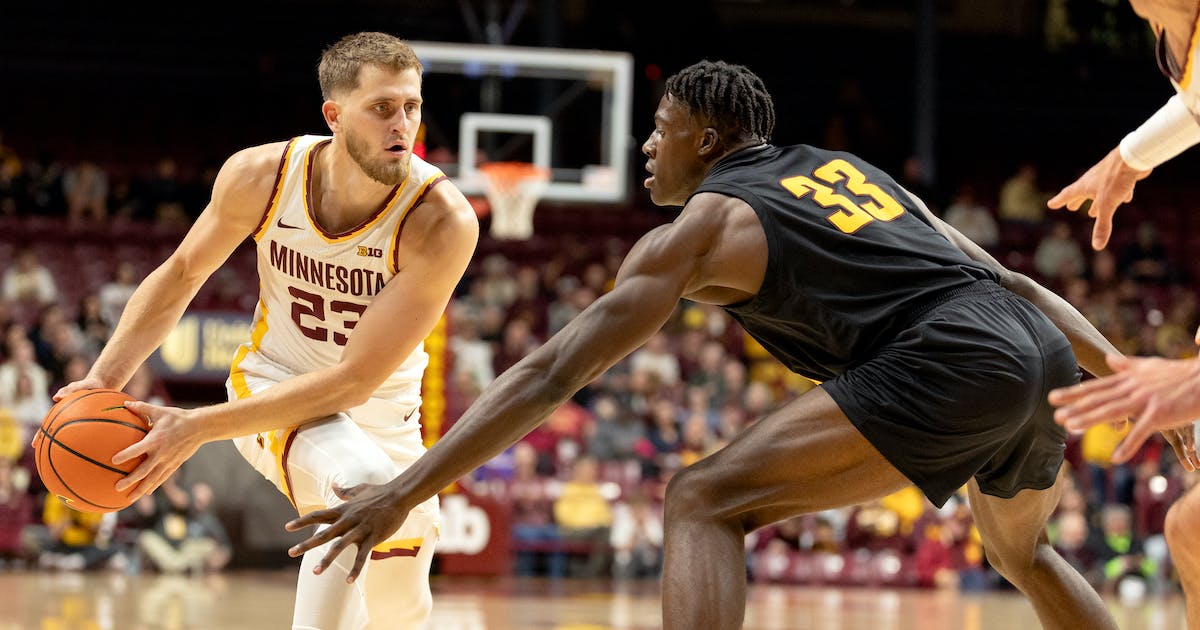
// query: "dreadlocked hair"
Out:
[730,96]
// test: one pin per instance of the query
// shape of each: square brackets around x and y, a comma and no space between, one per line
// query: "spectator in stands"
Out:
[583,513]
[518,342]
[1058,256]
[1110,483]
[16,512]
[616,432]
[733,383]
[528,302]
[972,218]
[85,188]
[1073,540]
[1145,259]
[472,355]
[498,286]
[12,188]
[28,406]
[165,193]
[1120,551]
[115,293]
[597,278]
[1021,201]
[534,531]
[22,361]
[664,440]
[874,528]
[656,356]
[708,372]
[92,325]
[146,386]
[562,308]
[169,543]
[56,339]
[637,538]
[697,441]
[29,281]
[75,540]
[203,523]
[45,184]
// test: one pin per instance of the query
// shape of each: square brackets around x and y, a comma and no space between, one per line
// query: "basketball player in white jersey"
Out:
[1158,394]
[360,247]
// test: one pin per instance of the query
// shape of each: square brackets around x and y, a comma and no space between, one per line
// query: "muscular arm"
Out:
[663,266]
[1088,344]
[658,271]
[239,199]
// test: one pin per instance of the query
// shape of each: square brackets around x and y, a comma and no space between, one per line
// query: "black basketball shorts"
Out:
[961,393]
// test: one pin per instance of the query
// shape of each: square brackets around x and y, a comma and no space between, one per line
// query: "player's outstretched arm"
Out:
[1159,394]
[663,266]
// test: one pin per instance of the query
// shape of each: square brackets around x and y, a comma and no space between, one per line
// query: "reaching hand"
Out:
[370,515]
[1159,394]
[1109,183]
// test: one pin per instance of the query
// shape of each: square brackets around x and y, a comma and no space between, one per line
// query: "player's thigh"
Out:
[805,457]
[333,453]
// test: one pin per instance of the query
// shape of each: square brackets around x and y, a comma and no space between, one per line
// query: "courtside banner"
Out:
[201,347]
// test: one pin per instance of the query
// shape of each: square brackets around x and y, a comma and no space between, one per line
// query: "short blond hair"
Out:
[341,62]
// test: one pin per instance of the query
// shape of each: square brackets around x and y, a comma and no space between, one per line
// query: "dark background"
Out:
[126,84]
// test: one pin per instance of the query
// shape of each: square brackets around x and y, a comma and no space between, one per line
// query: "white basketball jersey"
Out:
[314,285]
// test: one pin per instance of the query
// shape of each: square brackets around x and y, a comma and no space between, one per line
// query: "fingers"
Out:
[364,553]
[133,451]
[334,551]
[312,518]
[346,494]
[1059,200]
[136,475]
[1103,228]
[1181,451]
[320,538]
[1066,395]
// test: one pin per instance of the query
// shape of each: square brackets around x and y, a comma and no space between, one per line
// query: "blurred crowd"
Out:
[586,488]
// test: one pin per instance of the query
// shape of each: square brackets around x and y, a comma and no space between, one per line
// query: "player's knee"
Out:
[689,495]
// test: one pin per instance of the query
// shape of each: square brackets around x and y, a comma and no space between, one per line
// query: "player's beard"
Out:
[385,171]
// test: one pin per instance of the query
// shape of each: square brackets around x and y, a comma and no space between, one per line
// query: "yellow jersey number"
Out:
[851,214]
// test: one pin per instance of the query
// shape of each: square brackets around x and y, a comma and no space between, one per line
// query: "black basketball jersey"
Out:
[851,259]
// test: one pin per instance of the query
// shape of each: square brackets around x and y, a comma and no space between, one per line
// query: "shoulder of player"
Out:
[442,217]
[711,214]
[249,176]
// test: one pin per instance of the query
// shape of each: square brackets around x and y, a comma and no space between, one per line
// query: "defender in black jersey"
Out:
[933,373]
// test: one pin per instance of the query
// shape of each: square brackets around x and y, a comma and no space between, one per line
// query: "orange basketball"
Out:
[76,444]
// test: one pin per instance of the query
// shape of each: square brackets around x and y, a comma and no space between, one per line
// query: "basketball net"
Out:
[513,190]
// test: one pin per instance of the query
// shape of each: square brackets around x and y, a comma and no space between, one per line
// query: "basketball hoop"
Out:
[513,190]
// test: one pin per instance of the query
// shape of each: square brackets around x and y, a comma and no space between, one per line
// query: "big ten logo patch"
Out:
[373,252]
[465,528]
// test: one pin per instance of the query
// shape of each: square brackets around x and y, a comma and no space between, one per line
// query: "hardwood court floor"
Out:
[263,600]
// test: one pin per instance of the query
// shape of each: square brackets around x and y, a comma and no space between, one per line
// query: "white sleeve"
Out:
[1167,133]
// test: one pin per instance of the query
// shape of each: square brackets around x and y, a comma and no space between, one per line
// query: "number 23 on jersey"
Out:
[851,215]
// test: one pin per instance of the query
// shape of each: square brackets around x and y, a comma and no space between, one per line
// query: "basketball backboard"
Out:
[566,110]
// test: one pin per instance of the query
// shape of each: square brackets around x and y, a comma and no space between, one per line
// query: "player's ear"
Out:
[332,114]
[710,140]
